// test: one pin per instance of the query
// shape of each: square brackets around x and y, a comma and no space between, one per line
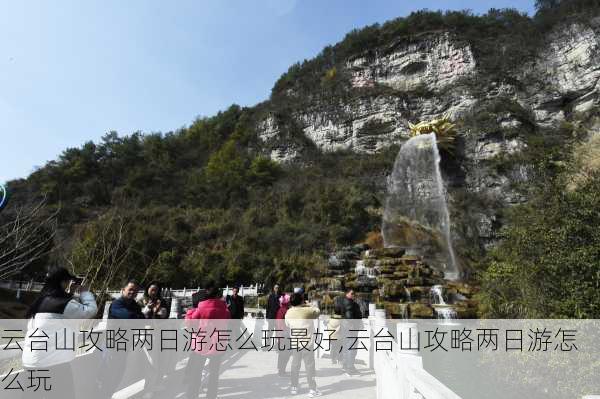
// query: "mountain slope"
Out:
[262,193]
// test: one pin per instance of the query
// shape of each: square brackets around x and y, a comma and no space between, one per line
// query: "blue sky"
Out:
[71,71]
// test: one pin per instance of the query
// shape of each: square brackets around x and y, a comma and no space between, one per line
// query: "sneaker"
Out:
[293,390]
[313,393]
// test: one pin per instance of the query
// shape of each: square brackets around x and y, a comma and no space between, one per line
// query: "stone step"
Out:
[385,252]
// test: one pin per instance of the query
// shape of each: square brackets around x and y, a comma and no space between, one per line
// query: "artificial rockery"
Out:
[416,274]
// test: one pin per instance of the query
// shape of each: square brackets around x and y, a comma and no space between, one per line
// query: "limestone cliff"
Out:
[420,77]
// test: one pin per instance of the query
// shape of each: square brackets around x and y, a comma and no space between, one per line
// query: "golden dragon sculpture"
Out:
[442,127]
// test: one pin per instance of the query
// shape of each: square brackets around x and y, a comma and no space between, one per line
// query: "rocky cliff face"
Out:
[426,76]
[367,124]
[433,60]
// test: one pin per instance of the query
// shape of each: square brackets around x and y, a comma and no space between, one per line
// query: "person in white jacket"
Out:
[46,323]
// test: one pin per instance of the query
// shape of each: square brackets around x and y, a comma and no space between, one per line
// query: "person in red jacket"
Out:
[283,355]
[212,314]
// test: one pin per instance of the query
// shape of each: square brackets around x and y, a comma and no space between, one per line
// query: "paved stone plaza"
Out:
[240,380]
[254,375]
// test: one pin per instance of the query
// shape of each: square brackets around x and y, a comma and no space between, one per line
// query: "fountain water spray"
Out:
[452,272]
[416,213]
[443,311]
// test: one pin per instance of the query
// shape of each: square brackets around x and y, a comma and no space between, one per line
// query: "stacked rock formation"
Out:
[395,279]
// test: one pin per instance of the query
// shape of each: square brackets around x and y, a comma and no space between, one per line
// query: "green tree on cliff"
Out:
[548,264]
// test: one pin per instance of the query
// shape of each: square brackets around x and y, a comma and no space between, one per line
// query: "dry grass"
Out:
[374,239]
[586,161]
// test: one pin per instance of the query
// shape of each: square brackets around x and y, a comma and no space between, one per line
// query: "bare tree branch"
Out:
[101,251]
[26,238]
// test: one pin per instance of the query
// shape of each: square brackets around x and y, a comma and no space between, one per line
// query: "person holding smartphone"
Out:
[152,304]
[47,313]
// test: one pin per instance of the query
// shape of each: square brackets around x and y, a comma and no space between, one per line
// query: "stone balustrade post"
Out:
[106,309]
[371,324]
[408,340]
[174,313]
[392,381]
[102,324]
[407,354]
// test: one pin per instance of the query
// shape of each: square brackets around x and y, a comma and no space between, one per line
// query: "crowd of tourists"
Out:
[64,297]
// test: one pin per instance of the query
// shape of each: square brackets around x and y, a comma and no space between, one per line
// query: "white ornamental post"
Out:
[408,343]
[379,358]
[407,355]
[174,314]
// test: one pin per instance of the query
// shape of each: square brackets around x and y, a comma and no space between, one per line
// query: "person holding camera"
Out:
[47,313]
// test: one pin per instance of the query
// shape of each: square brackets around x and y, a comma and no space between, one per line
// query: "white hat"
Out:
[298,290]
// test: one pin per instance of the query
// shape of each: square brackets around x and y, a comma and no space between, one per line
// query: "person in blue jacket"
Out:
[114,362]
[126,306]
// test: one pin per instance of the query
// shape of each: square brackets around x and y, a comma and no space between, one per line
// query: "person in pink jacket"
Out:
[283,355]
[212,315]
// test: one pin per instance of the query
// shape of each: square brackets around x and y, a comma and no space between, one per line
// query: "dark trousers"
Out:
[267,334]
[270,327]
[349,355]
[110,373]
[309,365]
[283,351]
[155,371]
[349,358]
[336,356]
[193,374]
[350,346]
[283,356]
[60,382]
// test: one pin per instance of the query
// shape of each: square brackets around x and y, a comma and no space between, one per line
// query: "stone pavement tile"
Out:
[254,375]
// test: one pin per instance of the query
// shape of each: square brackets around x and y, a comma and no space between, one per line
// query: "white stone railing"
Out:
[31,285]
[21,285]
[251,291]
[400,373]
